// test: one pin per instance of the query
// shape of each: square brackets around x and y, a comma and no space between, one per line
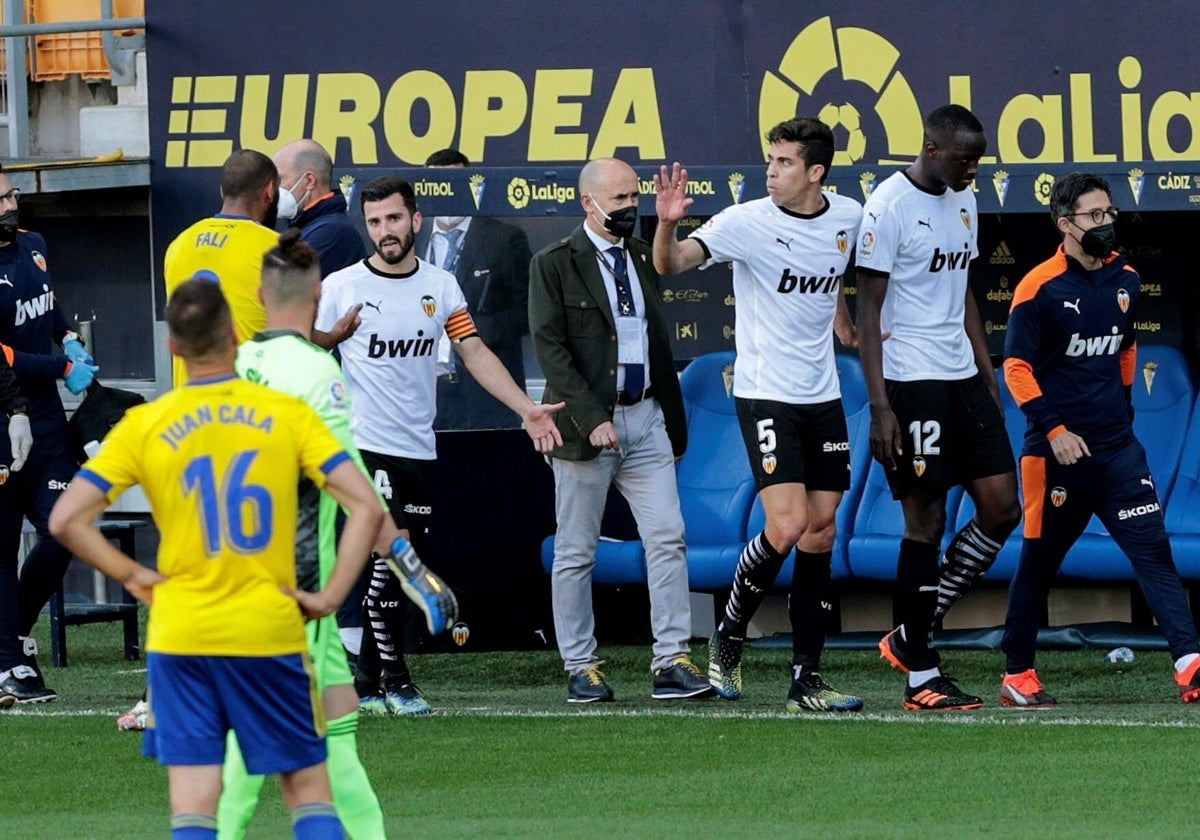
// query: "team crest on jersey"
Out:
[843,241]
[919,466]
[727,380]
[429,305]
[1123,300]
[1149,371]
[769,463]
[460,632]
[3,473]
[39,260]
[965,215]
[1058,496]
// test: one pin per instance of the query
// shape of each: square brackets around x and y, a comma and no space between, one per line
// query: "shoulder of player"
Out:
[844,206]
[1036,281]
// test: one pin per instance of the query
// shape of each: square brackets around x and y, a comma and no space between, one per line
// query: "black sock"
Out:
[916,599]
[809,607]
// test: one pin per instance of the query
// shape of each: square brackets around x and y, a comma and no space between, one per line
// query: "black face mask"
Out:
[621,223]
[1100,241]
[8,227]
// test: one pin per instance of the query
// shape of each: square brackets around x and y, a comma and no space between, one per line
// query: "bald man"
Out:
[603,344]
[307,200]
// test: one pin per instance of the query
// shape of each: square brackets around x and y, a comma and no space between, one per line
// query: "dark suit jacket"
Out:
[575,340]
[493,272]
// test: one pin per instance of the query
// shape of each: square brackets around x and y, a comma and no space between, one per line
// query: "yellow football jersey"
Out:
[220,461]
[229,250]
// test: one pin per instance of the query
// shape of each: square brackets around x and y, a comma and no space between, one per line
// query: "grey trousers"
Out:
[644,473]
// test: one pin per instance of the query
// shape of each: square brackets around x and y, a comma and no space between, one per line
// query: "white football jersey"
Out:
[925,242]
[390,362]
[786,273]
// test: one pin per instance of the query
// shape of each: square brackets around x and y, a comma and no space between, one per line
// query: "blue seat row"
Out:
[721,509]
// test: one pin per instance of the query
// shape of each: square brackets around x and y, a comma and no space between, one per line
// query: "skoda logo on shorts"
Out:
[823,66]
[769,462]
[1058,496]
[919,466]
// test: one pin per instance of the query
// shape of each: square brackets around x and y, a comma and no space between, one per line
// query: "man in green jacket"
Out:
[602,342]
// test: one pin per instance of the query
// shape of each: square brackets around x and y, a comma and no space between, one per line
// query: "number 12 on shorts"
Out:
[925,436]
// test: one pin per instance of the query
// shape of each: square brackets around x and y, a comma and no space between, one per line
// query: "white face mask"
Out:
[288,206]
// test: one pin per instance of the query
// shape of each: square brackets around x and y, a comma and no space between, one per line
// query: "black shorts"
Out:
[952,432]
[796,444]
[407,485]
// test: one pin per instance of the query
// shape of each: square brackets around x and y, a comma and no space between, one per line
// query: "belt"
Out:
[625,399]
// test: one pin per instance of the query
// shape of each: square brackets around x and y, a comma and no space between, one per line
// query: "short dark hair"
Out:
[290,269]
[246,172]
[447,157]
[815,139]
[382,187]
[944,122]
[1065,194]
[198,318]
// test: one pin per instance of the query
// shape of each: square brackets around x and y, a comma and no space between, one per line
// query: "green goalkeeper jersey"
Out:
[285,361]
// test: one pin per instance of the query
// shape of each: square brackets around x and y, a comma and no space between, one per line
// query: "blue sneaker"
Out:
[423,587]
[406,701]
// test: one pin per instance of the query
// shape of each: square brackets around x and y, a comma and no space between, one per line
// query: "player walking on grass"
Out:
[1071,353]
[789,252]
[935,402]
[220,461]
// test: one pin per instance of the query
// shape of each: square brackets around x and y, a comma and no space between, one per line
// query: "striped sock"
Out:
[757,568]
[971,553]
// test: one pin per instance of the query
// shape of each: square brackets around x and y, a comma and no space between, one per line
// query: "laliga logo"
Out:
[737,186]
[1042,187]
[477,183]
[866,59]
[1058,496]
[518,193]
[1137,183]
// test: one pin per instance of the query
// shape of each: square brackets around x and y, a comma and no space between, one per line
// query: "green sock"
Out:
[357,806]
[239,796]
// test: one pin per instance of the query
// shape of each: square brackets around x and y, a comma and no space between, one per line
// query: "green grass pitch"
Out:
[505,756]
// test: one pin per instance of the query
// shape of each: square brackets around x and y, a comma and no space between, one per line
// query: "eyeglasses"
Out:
[1098,215]
[13,194]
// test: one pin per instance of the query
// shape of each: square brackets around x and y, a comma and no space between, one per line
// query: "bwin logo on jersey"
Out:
[36,307]
[953,260]
[377,347]
[789,282]
[1099,345]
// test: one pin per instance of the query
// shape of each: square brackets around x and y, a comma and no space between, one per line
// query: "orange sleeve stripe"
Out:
[1039,276]
[1033,489]
[8,353]
[460,325]
[1055,432]
[1018,375]
[1128,364]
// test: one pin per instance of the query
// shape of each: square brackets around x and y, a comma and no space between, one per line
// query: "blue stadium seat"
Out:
[1183,505]
[1163,394]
